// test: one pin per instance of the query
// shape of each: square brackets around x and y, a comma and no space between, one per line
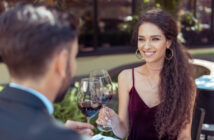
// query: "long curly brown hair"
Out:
[176,88]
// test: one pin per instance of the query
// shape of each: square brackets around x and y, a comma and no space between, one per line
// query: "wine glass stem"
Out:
[88,119]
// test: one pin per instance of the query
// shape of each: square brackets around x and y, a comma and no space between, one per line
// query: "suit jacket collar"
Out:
[23,97]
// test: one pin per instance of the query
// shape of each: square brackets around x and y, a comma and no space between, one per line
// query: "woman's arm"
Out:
[107,116]
[185,133]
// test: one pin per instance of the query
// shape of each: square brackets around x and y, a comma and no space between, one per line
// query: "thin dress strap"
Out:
[133,77]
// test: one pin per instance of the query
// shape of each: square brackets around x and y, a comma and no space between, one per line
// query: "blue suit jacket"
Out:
[24,117]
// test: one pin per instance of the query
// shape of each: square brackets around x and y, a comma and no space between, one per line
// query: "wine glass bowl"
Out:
[105,92]
[87,98]
[89,108]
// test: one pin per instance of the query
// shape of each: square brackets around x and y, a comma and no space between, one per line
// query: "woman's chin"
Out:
[149,60]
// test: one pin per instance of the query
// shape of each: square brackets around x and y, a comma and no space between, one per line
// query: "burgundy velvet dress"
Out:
[141,117]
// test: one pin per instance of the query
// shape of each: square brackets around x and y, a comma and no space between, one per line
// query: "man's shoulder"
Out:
[24,121]
[40,126]
[55,130]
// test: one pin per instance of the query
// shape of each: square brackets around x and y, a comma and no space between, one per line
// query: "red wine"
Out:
[89,108]
[105,98]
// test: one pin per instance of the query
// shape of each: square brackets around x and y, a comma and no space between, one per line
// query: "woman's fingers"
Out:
[108,117]
[105,116]
[104,121]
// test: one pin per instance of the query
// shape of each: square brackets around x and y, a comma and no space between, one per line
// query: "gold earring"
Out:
[169,54]
[138,54]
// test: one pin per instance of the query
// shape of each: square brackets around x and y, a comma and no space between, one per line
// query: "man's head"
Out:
[36,41]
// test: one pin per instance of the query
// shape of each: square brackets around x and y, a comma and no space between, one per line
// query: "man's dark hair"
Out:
[30,34]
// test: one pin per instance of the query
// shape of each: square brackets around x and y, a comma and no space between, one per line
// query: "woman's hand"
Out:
[80,127]
[108,117]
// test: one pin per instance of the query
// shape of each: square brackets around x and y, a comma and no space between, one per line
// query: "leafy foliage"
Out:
[172,6]
[1,88]
[67,109]
[189,22]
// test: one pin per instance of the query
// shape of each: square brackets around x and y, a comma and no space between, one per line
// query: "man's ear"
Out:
[168,43]
[61,63]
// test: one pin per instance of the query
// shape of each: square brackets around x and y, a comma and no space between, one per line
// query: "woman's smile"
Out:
[149,53]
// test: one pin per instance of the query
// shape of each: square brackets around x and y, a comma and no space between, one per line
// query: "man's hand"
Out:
[80,127]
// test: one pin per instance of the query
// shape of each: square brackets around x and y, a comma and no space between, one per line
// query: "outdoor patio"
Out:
[104,43]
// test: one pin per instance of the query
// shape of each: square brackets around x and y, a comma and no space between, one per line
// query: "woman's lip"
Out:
[148,53]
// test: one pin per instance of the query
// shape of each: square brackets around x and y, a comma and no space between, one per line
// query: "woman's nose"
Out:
[147,45]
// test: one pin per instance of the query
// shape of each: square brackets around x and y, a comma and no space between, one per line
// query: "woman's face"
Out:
[152,43]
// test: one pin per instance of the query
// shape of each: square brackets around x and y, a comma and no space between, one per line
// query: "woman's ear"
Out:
[168,43]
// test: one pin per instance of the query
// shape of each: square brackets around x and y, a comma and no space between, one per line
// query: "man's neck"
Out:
[37,85]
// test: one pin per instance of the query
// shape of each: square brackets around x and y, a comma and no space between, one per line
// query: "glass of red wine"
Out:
[105,92]
[87,98]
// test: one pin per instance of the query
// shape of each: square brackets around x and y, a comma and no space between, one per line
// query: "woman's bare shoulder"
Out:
[125,74]
[125,80]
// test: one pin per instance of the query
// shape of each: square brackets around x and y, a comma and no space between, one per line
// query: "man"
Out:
[38,44]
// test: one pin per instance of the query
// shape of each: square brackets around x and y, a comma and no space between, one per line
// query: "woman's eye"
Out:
[140,39]
[155,39]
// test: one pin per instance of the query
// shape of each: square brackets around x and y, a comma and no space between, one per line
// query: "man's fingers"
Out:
[86,132]
[78,125]
[82,125]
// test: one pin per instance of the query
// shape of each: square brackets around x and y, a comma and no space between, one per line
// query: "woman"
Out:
[156,99]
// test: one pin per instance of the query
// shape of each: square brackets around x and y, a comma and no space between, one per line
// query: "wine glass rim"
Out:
[84,79]
[99,70]
[97,73]
[89,79]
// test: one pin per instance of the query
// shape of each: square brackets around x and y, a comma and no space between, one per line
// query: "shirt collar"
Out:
[39,95]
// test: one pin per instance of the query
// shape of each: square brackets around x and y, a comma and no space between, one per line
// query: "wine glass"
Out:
[105,91]
[87,98]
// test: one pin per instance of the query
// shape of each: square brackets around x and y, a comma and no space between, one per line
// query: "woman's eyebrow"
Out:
[151,36]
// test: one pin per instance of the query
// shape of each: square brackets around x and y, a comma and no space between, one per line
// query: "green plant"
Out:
[189,22]
[1,88]
[68,109]
[129,24]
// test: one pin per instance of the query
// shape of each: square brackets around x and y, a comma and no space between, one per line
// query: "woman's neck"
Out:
[154,68]
[152,75]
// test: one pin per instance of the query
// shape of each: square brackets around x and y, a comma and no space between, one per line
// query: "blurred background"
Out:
[106,26]
[109,23]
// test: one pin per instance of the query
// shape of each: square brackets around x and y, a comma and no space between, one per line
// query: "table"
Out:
[205,99]
[101,137]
